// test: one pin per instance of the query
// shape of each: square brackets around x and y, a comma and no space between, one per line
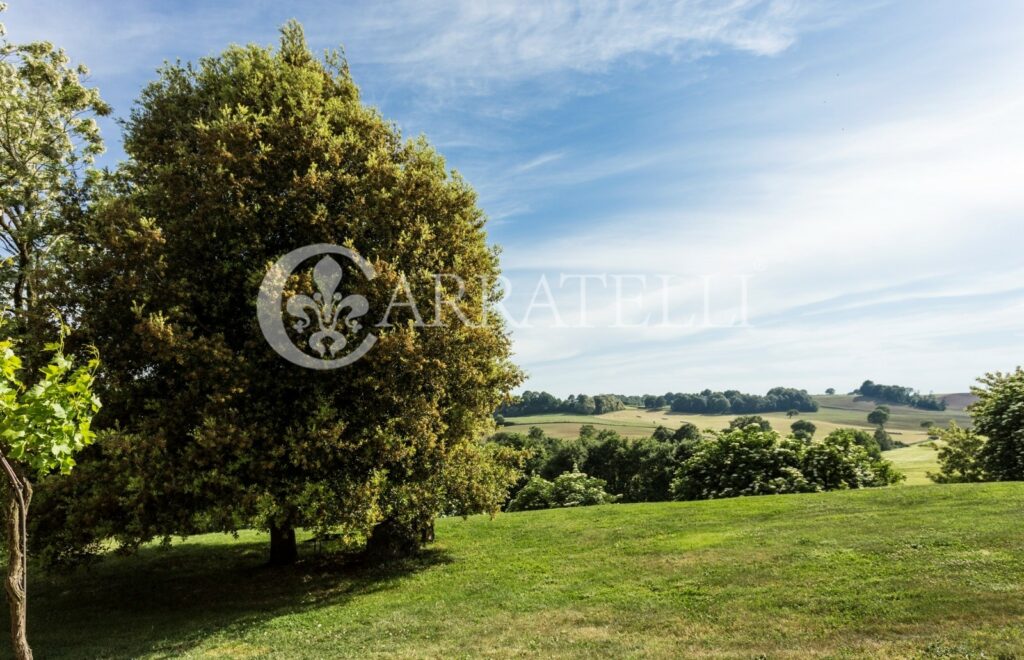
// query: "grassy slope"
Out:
[914,571]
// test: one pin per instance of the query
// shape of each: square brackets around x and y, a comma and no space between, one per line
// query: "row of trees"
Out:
[899,395]
[542,403]
[748,458]
[778,399]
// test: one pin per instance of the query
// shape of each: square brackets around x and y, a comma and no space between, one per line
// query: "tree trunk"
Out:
[19,495]
[283,550]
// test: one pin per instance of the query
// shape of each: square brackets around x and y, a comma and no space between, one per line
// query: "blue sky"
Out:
[858,165]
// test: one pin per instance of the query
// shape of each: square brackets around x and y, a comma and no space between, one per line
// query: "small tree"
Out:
[883,439]
[792,412]
[960,457]
[41,428]
[830,391]
[879,416]
[803,430]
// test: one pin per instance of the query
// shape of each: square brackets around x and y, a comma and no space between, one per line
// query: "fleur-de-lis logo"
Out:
[326,313]
[327,306]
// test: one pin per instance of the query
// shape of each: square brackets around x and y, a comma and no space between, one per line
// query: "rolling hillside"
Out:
[935,572]
[835,411]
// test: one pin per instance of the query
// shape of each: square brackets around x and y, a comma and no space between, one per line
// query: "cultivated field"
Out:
[922,572]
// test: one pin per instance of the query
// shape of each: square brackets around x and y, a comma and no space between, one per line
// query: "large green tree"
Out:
[232,163]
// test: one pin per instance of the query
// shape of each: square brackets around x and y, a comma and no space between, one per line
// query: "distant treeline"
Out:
[898,395]
[542,403]
[778,399]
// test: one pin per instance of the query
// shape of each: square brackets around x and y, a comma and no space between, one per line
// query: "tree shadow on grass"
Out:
[166,601]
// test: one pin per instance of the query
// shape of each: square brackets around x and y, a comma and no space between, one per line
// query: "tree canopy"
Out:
[233,162]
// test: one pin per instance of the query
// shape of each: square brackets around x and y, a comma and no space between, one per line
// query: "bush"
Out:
[536,494]
[859,437]
[884,440]
[577,489]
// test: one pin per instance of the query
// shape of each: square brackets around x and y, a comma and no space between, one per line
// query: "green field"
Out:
[915,462]
[934,571]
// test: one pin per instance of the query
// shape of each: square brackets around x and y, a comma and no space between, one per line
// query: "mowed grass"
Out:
[898,572]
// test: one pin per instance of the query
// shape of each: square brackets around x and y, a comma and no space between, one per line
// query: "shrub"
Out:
[747,461]
[840,462]
[536,494]
[578,489]
[859,437]
[568,489]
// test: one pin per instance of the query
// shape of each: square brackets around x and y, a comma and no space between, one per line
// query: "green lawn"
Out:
[915,462]
[934,571]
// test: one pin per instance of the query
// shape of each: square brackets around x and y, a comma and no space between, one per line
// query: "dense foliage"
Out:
[904,396]
[752,461]
[746,459]
[233,163]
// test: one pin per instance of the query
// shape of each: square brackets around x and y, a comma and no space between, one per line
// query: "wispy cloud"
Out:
[540,160]
[464,42]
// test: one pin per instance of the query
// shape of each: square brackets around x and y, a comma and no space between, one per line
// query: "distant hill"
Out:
[958,401]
